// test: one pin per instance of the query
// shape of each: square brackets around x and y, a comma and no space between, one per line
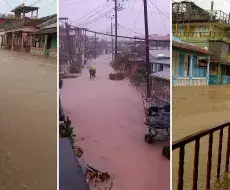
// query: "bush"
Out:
[139,76]
[116,76]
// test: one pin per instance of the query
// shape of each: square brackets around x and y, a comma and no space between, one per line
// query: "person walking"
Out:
[92,71]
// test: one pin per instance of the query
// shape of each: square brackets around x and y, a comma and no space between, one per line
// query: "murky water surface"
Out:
[107,117]
[27,122]
[194,109]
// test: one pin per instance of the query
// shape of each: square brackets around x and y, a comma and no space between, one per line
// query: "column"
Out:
[12,47]
[219,73]
[22,41]
[190,70]
[208,68]
[45,44]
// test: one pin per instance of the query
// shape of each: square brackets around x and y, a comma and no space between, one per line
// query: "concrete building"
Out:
[190,64]
[209,29]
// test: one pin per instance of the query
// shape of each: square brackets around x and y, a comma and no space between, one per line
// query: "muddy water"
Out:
[194,109]
[27,122]
[107,117]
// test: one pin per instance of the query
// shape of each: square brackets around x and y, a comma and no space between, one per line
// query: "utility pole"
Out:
[111,20]
[69,45]
[95,35]
[112,36]
[115,8]
[148,66]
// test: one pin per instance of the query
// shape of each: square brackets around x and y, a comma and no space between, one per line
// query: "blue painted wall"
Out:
[198,71]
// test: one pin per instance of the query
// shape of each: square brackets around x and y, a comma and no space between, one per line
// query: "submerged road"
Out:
[27,122]
[196,109]
[107,117]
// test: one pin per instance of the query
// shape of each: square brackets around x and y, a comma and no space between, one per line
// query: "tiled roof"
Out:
[190,47]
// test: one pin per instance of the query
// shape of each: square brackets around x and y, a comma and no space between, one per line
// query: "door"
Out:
[181,65]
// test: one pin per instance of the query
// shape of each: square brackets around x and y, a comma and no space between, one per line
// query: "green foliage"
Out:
[139,76]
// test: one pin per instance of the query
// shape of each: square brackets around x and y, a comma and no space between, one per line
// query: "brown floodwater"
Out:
[108,117]
[194,109]
[27,122]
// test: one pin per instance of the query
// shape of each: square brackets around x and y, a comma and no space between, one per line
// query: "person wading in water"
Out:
[92,71]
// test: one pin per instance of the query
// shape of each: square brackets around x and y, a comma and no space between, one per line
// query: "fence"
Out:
[197,137]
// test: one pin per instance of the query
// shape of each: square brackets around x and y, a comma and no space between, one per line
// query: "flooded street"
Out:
[107,117]
[194,109]
[27,122]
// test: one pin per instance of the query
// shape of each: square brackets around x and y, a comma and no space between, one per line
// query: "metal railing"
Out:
[196,137]
[210,35]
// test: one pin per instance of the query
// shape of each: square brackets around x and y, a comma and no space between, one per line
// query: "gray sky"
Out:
[223,5]
[130,18]
[47,7]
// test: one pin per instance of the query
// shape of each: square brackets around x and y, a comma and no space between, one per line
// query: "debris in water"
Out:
[78,151]
[95,176]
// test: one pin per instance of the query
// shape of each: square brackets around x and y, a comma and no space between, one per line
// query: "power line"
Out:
[130,30]
[158,8]
[97,18]
[36,2]
[87,19]
[134,24]
[106,34]
[9,4]
[89,12]
[161,17]
[154,23]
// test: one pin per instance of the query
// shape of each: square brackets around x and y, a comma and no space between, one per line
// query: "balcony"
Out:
[211,149]
[222,36]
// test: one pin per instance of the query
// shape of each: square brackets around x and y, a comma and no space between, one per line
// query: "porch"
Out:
[44,44]
[17,40]
[219,73]
[190,69]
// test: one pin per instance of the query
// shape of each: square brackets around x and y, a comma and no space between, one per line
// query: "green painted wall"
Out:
[54,41]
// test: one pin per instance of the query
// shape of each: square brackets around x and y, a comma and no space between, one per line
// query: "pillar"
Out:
[36,14]
[21,41]
[45,44]
[219,73]
[190,70]
[12,47]
[208,70]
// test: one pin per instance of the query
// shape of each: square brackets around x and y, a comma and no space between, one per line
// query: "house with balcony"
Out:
[159,60]
[44,41]
[18,34]
[71,48]
[190,64]
[209,29]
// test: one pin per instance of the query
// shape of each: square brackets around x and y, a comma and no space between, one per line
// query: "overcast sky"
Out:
[47,7]
[131,18]
[223,5]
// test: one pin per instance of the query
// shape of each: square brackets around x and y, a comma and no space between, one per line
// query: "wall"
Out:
[54,41]
[37,51]
[175,62]
[219,50]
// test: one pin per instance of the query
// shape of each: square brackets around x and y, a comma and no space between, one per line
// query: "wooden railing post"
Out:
[180,184]
[219,153]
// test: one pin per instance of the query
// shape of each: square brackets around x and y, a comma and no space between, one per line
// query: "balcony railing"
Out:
[209,35]
[198,138]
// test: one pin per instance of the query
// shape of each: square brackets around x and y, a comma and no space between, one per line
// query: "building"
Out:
[71,47]
[44,41]
[159,60]
[190,64]
[18,34]
[208,29]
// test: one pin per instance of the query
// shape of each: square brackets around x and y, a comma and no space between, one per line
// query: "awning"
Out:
[47,31]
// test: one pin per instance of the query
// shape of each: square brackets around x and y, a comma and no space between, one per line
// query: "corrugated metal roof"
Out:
[178,43]
[162,74]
